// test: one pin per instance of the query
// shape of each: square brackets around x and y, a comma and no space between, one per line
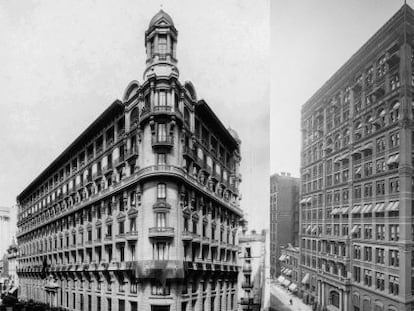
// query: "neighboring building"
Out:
[289,260]
[12,262]
[284,216]
[252,276]
[357,178]
[141,211]
[7,227]
[8,269]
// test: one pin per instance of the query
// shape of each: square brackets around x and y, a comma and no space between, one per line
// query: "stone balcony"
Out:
[161,232]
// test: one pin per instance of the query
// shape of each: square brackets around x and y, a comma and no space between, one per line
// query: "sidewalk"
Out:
[280,300]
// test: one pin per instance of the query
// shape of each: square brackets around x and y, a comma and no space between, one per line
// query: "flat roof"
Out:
[67,154]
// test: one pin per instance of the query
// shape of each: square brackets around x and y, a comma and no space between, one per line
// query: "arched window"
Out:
[334,298]
[186,116]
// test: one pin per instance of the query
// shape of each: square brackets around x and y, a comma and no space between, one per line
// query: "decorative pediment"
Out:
[98,223]
[132,212]
[121,216]
[195,216]
[187,211]
[108,220]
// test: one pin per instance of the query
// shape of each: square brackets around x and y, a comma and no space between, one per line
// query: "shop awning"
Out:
[309,229]
[345,210]
[356,209]
[367,147]
[306,278]
[379,208]
[393,159]
[354,229]
[367,209]
[303,201]
[308,200]
[293,287]
[357,150]
[393,206]
[282,258]
[286,282]
[358,170]
[288,272]
[336,211]
[314,229]
[280,279]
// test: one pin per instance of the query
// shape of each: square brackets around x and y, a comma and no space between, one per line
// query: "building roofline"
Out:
[115,106]
[209,113]
[343,71]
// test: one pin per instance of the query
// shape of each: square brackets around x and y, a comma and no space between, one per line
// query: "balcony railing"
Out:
[187,235]
[161,232]
[247,285]
[131,153]
[162,142]
[162,108]
[131,235]
[246,301]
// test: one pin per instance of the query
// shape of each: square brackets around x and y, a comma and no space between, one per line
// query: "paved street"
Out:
[279,300]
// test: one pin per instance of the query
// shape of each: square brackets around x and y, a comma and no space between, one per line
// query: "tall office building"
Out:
[284,216]
[356,233]
[141,210]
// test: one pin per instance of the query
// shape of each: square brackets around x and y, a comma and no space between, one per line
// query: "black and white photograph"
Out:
[194,155]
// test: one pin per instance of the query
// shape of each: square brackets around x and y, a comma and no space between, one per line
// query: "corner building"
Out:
[356,248]
[141,211]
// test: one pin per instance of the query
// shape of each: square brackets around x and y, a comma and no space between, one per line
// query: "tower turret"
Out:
[160,44]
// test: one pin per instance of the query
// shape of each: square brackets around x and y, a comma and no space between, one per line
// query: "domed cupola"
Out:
[160,44]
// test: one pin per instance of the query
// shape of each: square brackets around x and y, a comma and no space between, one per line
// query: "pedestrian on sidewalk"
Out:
[290,301]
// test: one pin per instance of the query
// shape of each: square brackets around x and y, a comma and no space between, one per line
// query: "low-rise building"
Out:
[251,280]
[289,262]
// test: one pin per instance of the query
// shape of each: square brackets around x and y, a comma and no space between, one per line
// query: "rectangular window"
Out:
[161,158]
[161,220]
[162,132]
[161,191]
[160,251]
[162,98]
[109,304]
[162,45]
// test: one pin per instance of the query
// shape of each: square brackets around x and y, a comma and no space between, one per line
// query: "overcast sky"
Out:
[64,62]
[310,41]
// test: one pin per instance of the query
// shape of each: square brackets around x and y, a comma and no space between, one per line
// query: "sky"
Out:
[63,62]
[310,41]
